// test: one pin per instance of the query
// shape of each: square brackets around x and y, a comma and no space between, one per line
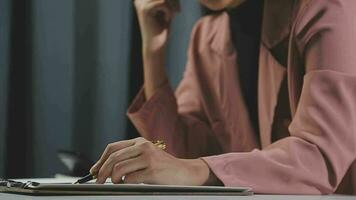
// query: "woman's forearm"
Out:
[154,71]
[155,17]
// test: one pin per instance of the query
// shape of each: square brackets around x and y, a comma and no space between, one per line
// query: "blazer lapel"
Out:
[271,75]
[221,41]
[277,18]
[276,28]
[295,70]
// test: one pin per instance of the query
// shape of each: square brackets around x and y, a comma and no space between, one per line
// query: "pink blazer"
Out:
[315,151]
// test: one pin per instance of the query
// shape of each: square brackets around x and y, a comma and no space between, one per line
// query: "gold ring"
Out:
[160,144]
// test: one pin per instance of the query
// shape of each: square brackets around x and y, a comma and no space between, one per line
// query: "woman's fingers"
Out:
[144,162]
[174,5]
[163,13]
[106,169]
[110,149]
[126,167]
[146,6]
[154,18]
[137,177]
[159,9]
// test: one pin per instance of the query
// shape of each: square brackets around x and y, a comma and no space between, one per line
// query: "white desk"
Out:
[4,196]
[254,197]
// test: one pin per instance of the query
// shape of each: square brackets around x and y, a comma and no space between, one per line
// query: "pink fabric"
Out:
[207,116]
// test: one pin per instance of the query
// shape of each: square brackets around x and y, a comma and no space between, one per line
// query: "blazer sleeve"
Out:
[322,142]
[178,117]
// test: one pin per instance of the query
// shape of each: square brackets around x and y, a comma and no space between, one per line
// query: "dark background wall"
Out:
[68,71]
[4,65]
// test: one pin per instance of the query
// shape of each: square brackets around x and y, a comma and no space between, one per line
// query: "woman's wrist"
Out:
[154,71]
[150,52]
[201,173]
[212,178]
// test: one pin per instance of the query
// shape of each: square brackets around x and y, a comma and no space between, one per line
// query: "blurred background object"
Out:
[77,165]
[68,71]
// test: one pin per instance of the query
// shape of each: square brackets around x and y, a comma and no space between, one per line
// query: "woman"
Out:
[305,135]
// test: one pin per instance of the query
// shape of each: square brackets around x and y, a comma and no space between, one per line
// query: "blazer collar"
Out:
[276,26]
[277,21]
[220,38]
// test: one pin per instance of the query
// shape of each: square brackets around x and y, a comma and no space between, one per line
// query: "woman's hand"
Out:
[140,161]
[154,17]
